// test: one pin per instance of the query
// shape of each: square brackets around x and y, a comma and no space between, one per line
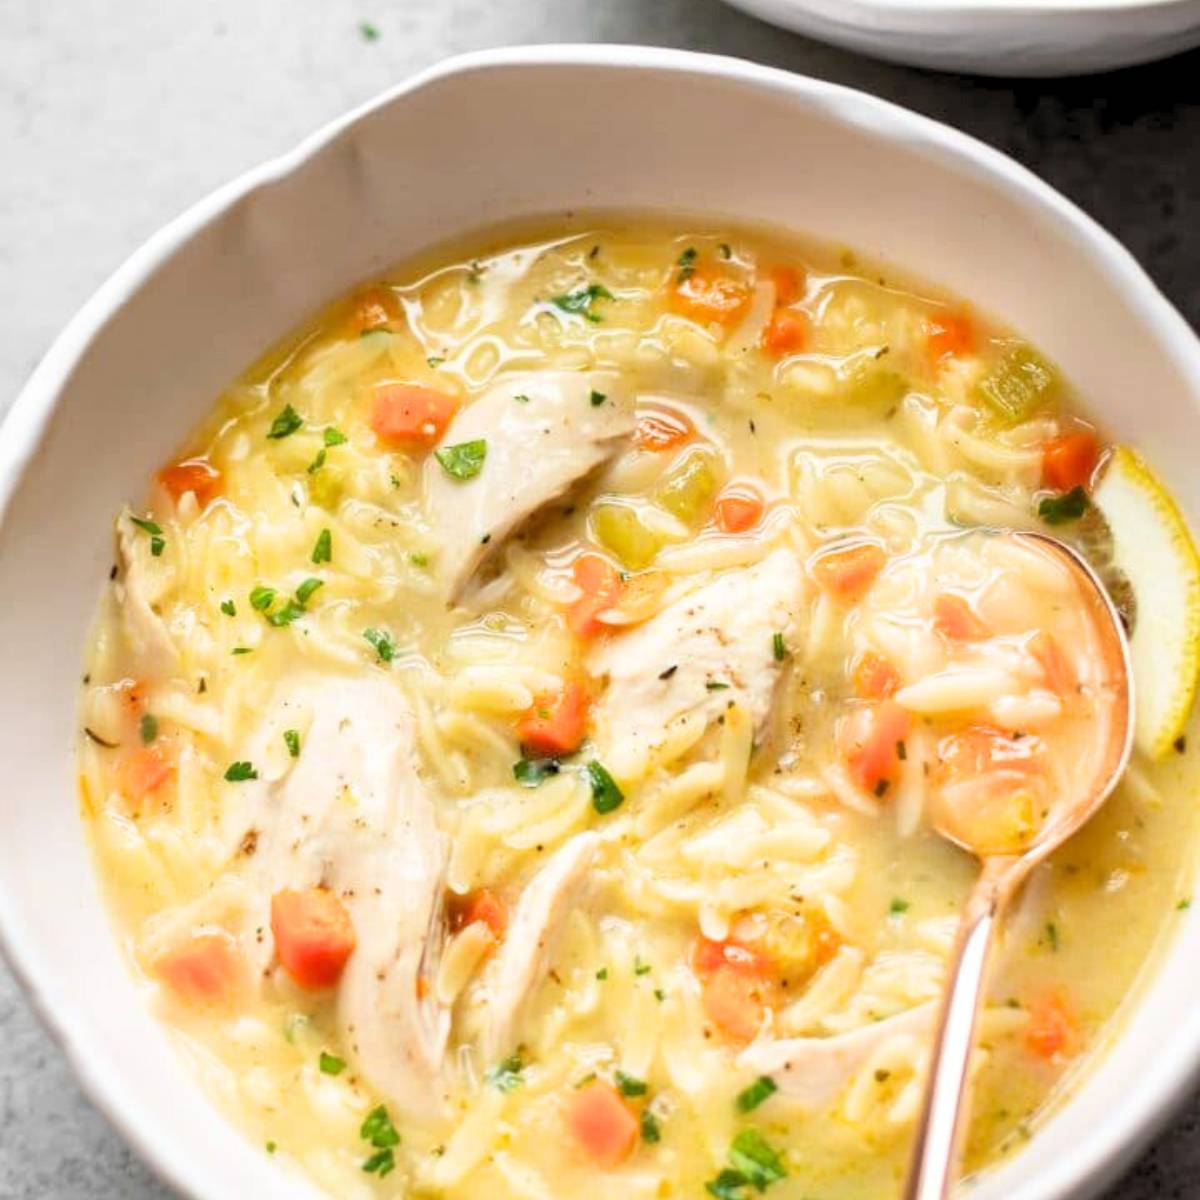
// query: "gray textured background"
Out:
[114,116]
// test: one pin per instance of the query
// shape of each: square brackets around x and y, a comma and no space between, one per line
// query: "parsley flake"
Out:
[463,461]
[686,264]
[382,641]
[606,795]
[581,302]
[291,739]
[1058,510]
[229,608]
[369,32]
[334,437]
[330,1064]
[261,598]
[148,728]
[285,424]
[651,1133]
[597,398]
[240,772]
[628,1085]
[322,551]
[778,649]
[532,771]
[506,1076]
[748,1099]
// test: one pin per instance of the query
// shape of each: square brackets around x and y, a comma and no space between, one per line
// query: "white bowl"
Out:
[476,140]
[996,37]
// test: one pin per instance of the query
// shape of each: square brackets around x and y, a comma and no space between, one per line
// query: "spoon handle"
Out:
[943,1112]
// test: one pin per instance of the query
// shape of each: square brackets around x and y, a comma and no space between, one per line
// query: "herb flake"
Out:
[606,794]
[285,423]
[582,300]
[463,461]
[749,1098]
[1070,506]
[240,772]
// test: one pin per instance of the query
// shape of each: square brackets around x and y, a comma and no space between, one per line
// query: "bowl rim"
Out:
[853,12]
[1167,1078]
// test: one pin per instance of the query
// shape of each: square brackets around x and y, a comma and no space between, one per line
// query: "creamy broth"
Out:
[593,622]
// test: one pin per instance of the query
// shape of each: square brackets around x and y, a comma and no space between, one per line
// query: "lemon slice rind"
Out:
[1154,549]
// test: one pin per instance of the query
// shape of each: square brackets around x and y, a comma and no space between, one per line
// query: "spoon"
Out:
[943,1112]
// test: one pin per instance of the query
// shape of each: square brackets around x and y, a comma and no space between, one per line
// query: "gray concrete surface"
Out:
[115,115]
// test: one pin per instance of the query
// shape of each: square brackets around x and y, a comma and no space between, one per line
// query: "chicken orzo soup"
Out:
[514,729]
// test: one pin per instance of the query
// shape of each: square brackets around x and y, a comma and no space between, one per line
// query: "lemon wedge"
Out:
[1153,548]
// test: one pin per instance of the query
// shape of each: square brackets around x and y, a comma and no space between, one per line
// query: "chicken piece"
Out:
[146,631]
[528,947]
[713,647]
[350,814]
[543,431]
[811,1071]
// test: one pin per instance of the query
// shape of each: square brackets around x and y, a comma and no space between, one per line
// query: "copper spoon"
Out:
[942,1119]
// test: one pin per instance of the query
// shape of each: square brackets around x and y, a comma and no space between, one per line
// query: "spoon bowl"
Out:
[944,1108]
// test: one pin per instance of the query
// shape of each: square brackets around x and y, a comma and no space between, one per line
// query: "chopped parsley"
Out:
[369,32]
[606,795]
[317,463]
[597,398]
[778,649]
[1070,506]
[287,614]
[271,1147]
[435,360]
[322,551]
[382,641]
[334,437]
[651,1133]
[229,608]
[305,590]
[898,907]
[1184,904]
[521,398]
[418,559]
[506,1074]
[602,974]
[640,968]
[686,264]
[379,1131]
[581,302]
[285,424]
[726,250]
[463,461]
[1052,936]
[261,598]
[291,739]
[157,541]
[628,1085]
[748,1099]
[715,685]
[532,771]
[149,728]
[330,1064]
[755,1161]
[242,650]
[239,772]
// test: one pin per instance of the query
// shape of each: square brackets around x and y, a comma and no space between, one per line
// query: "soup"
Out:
[518,728]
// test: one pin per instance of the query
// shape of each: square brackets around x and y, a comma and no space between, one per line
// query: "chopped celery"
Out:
[870,383]
[620,529]
[325,486]
[687,488]
[1020,382]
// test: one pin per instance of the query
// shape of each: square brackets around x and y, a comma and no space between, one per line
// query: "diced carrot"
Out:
[1069,460]
[872,739]
[556,722]
[376,308]
[605,1127]
[406,414]
[660,429]
[847,572]
[207,969]
[601,585]
[956,620]
[738,508]
[709,296]
[483,905]
[193,475]
[875,678]
[736,985]
[314,936]
[708,956]
[133,695]
[145,771]
[1057,668]
[947,335]
[787,281]
[786,333]
[1052,1027]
